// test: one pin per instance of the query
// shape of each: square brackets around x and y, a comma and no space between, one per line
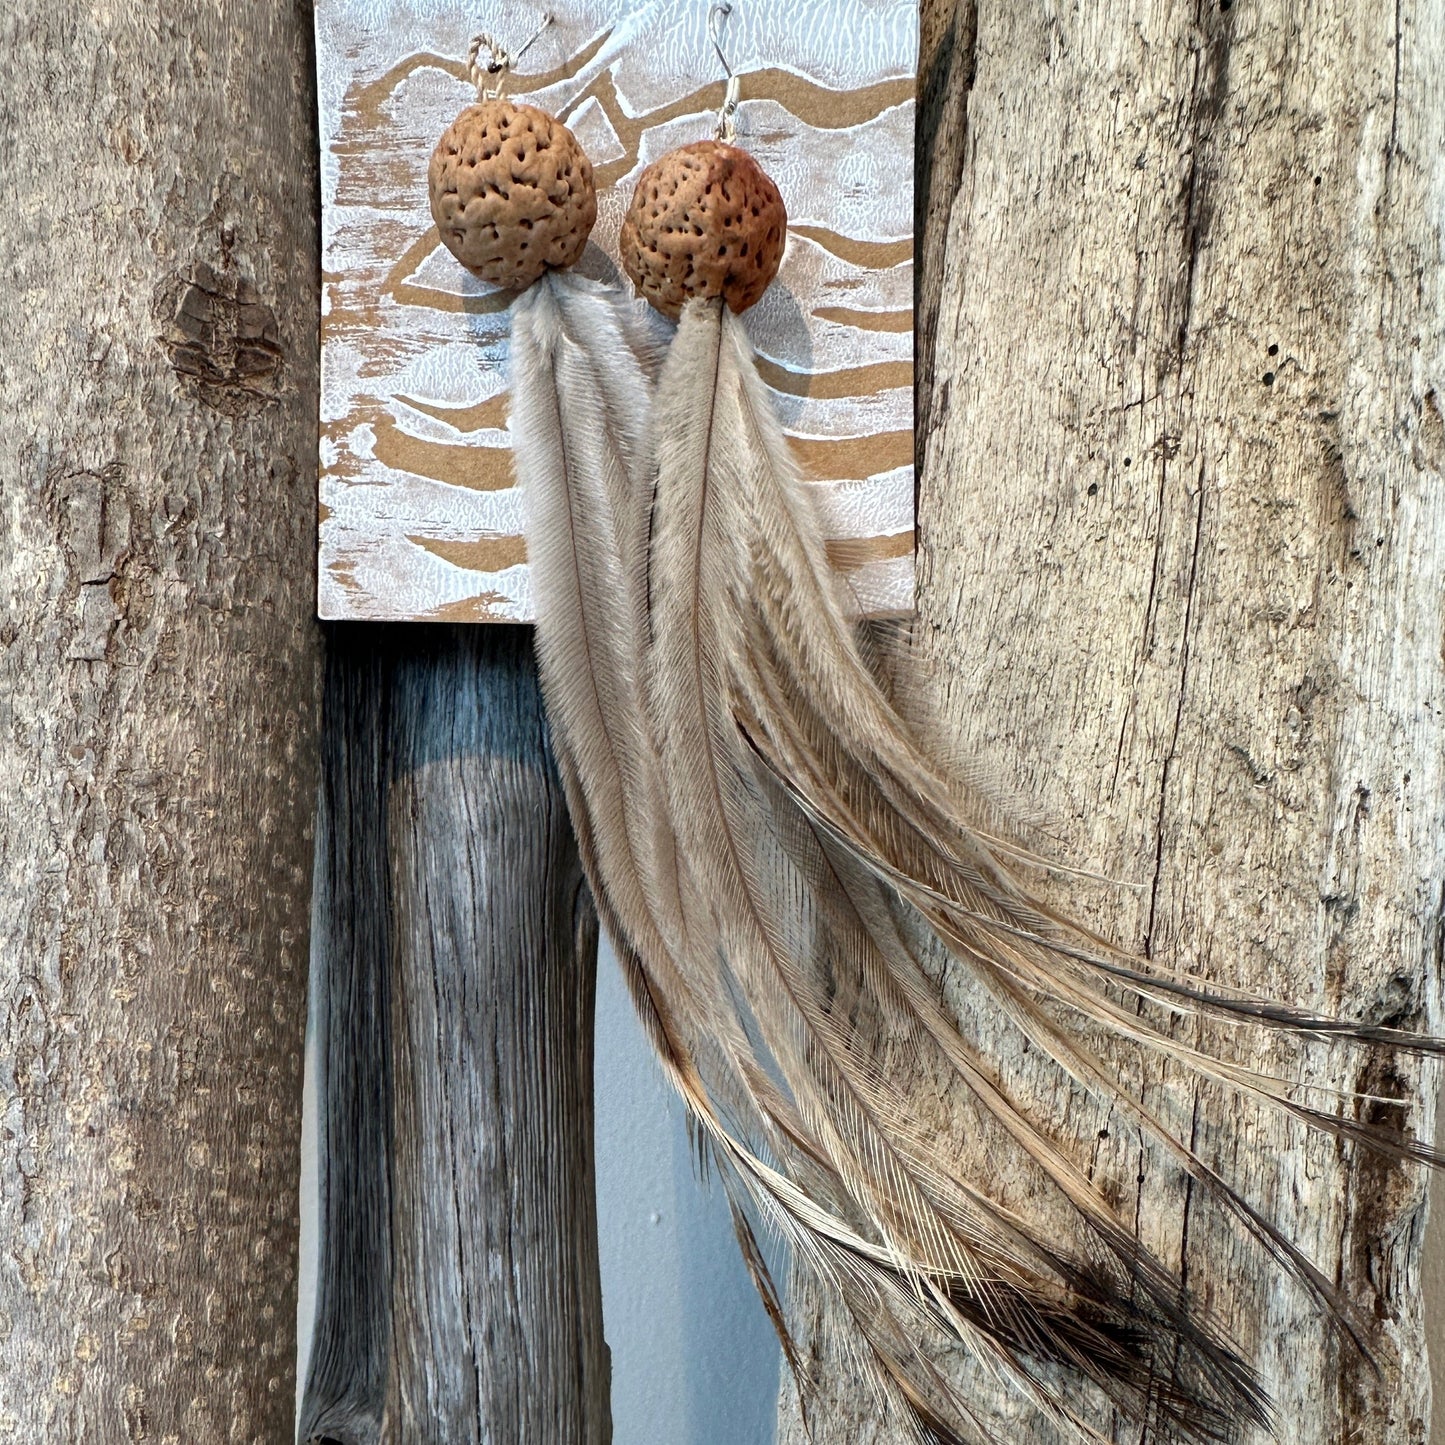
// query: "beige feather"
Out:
[575,428]
[763,832]
[818,821]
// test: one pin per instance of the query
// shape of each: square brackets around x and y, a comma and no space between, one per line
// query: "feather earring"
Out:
[769,844]
[513,196]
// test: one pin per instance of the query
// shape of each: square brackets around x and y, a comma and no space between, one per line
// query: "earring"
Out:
[511,190]
[706,221]
[513,196]
[769,844]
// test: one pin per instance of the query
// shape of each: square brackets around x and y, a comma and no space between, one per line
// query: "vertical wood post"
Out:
[350,1014]
[1182,534]
[159,683]
[459,1298]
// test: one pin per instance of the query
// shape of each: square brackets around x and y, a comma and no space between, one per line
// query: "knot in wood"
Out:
[705,221]
[511,192]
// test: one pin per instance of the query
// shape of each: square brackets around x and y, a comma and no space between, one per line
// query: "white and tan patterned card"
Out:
[419,515]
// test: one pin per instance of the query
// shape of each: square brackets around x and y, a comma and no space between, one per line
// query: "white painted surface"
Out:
[420,518]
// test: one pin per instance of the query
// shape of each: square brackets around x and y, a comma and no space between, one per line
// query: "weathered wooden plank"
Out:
[458,1198]
[1182,532]
[159,681]
[350,1013]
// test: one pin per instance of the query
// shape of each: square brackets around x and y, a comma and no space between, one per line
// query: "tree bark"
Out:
[1182,531]
[159,675]
[459,1297]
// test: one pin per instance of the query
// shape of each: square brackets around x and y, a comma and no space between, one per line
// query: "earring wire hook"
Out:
[499,67]
[727,128]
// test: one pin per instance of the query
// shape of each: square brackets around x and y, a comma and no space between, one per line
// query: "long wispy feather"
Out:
[764,834]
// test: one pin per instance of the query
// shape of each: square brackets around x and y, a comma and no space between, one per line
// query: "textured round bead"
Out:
[705,221]
[511,192]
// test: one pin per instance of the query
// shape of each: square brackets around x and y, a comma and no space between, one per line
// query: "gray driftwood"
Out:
[159,679]
[455,952]
[1183,580]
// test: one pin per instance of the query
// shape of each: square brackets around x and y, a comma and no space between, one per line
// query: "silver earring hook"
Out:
[500,64]
[727,127]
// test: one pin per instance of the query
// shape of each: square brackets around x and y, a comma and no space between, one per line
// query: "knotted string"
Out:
[491,79]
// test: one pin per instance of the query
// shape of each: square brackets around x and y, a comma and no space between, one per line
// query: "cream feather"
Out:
[818,821]
[764,834]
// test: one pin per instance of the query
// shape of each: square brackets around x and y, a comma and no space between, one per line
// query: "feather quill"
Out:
[764,835]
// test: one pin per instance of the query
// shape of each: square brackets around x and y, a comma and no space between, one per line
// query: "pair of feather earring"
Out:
[777,857]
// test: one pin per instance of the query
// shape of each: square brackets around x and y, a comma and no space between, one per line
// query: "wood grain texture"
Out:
[1182,531]
[420,514]
[458,1298]
[351,950]
[159,682]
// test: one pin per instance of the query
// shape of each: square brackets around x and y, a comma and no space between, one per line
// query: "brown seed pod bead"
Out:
[705,221]
[511,192]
